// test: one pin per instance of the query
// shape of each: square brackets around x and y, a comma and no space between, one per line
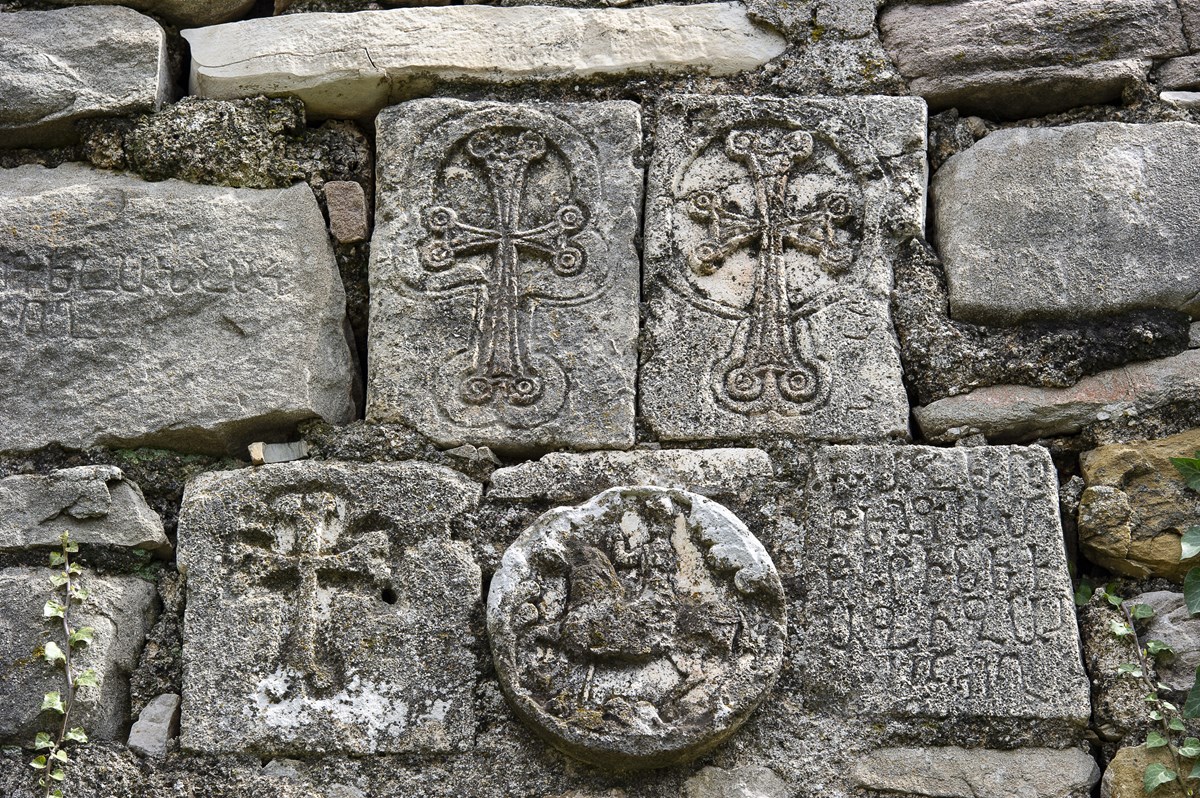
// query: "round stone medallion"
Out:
[638,629]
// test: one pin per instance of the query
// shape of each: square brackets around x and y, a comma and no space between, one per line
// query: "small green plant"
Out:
[66,594]
[1169,719]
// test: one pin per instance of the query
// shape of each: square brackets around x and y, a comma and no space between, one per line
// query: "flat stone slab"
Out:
[504,279]
[1180,73]
[564,477]
[639,629]
[977,773]
[197,318]
[348,65]
[184,12]
[328,610]
[1083,220]
[1013,413]
[936,590]
[770,233]
[1009,60]
[95,504]
[121,610]
[60,66]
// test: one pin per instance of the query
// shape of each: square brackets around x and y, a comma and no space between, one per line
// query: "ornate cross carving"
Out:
[309,548]
[773,367]
[501,370]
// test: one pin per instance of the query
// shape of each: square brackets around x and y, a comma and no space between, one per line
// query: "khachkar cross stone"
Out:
[328,610]
[639,629]
[504,280]
[937,593]
[771,226]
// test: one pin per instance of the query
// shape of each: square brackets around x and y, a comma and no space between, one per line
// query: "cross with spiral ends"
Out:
[501,369]
[773,367]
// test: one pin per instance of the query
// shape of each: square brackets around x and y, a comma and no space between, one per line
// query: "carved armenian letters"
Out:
[769,231]
[936,586]
[504,281]
[638,629]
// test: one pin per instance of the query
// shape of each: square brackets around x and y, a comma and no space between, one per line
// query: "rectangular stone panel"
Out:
[936,590]
[1084,220]
[199,318]
[771,230]
[348,65]
[60,66]
[328,610]
[504,279]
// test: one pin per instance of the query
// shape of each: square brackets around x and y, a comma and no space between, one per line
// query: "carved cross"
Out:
[774,364]
[501,369]
[316,550]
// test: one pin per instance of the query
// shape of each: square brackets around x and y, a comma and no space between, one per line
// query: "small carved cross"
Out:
[774,364]
[307,550]
[502,370]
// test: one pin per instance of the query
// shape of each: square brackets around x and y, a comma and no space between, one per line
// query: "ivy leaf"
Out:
[1191,707]
[1141,611]
[1189,469]
[1129,669]
[1190,543]
[80,593]
[1110,594]
[1121,629]
[83,635]
[1156,647]
[87,678]
[1195,774]
[1156,775]
[76,735]
[1191,591]
[58,579]
[53,609]
[57,559]
[59,774]
[70,546]
[42,740]
[1155,740]
[1176,724]
[38,763]
[60,755]
[75,569]
[53,653]
[1083,593]
[1190,748]
[53,701]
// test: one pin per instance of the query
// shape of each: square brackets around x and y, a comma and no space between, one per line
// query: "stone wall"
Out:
[595,398]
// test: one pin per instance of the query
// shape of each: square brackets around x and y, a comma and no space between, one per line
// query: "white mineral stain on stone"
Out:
[368,707]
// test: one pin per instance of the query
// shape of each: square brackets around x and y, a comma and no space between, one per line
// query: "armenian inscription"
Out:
[936,586]
[504,280]
[639,629]
[768,270]
[138,313]
[326,610]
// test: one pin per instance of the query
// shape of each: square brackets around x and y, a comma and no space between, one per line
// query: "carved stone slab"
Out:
[771,226]
[132,313]
[936,588]
[504,280]
[121,609]
[327,610]
[639,629]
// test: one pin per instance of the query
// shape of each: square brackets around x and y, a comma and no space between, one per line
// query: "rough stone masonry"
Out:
[599,398]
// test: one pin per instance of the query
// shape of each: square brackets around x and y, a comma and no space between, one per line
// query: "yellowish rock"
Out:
[1136,506]
[1123,778]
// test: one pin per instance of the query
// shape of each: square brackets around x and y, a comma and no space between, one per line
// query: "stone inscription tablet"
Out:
[504,281]
[168,314]
[936,586]
[770,231]
[328,610]
[638,629]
